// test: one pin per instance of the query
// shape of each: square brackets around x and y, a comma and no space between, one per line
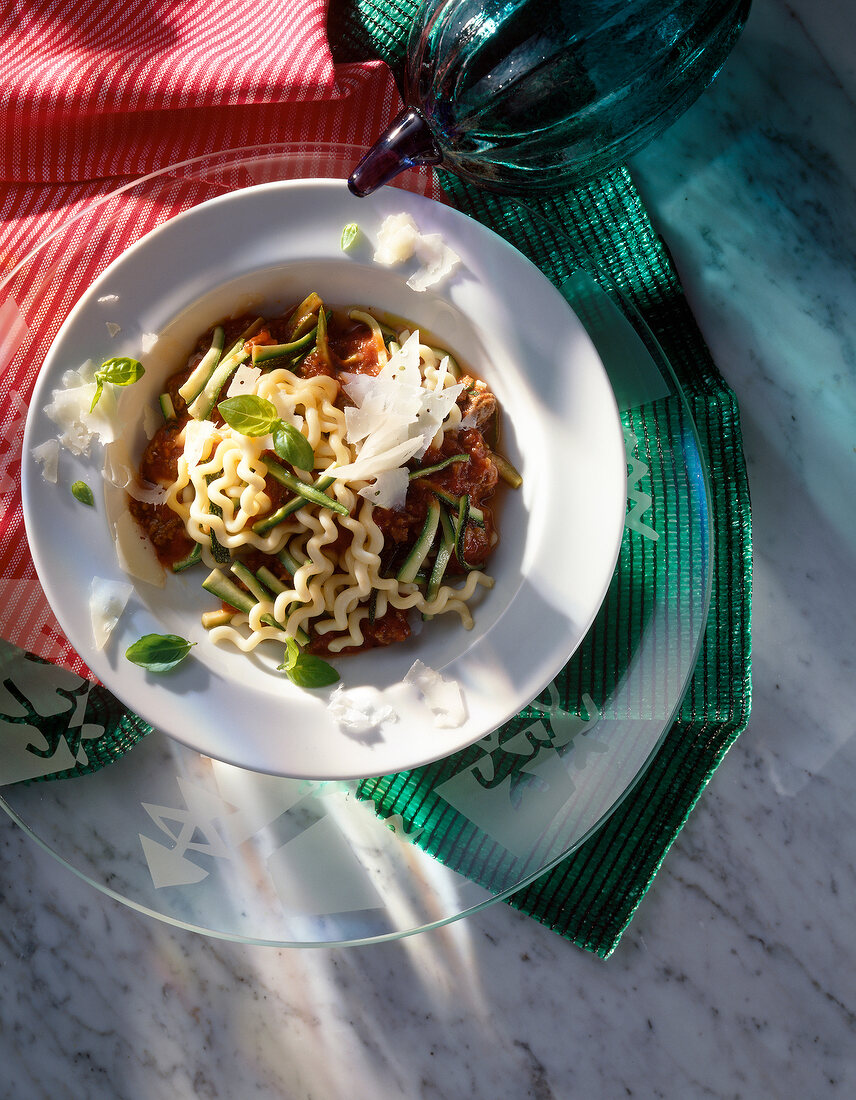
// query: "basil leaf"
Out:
[158,652]
[291,657]
[310,671]
[349,235]
[99,389]
[81,491]
[305,669]
[292,446]
[119,371]
[249,414]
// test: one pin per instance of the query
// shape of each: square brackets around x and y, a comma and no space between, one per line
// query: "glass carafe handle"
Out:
[406,142]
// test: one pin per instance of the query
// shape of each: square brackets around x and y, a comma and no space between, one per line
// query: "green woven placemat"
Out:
[591,896]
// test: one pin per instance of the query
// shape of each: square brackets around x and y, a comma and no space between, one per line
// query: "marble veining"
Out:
[736,978]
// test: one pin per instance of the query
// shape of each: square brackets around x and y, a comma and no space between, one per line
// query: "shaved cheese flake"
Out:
[399,239]
[444,698]
[147,494]
[198,440]
[396,240]
[148,341]
[136,554]
[358,714]
[107,601]
[47,455]
[389,489]
[113,328]
[109,298]
[69,408]
[152,420]
[394,419]
[438,262]
[244,380]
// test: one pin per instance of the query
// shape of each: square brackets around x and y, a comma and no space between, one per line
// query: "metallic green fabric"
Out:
[591,896]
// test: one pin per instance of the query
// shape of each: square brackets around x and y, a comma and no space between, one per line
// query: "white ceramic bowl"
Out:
[264,248]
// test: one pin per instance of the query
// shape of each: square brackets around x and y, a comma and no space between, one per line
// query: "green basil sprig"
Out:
[305,669]
[119,371]
[81,491]
[252,415]
[158,652]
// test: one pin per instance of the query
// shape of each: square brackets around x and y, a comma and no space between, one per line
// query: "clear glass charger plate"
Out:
[257,858]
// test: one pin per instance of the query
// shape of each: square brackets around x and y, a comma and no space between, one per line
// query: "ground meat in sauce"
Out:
[352,349]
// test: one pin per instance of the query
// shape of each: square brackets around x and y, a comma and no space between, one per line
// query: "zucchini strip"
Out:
[460,527]
[166,406]
[444,556]
[191,558]
[506,471]
[265,353]
[426,470]
[419,550]
[308,492]
[304,316]
[262,526]
[203,370]
[474,515]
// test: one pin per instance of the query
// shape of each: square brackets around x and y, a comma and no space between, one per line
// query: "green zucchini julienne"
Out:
[166,406]
[191,558]
[262,526]
[200,408]
[419,550]
[227,591]
[426,470]
[506,471]
[266,353]
[249,581]
[309,492]
[304,317]
[203,370]
[444,555]
[475,515]
[289,561]
[219,552]
[322,344]
[461,521]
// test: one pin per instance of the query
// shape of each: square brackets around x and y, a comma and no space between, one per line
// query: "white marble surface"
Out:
[736,977]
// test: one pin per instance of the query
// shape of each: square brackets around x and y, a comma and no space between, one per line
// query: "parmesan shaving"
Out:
[113,328]
[69,408]
[358,716]
[243,380]
[152,420]
[394,419]
[109,298]
[199,437]
[136,554]
[396,240]
[399,239]
[107,601]
[47,455]
[438,262]
[444,698]
[148,341]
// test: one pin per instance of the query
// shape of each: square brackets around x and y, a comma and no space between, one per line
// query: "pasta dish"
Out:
[331,476]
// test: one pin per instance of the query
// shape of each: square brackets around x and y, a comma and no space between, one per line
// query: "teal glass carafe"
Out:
[530,96]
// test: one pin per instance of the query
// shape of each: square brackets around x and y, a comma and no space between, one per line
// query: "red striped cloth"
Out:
[94,95]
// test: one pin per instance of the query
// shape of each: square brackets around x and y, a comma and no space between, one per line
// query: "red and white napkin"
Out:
[94,95]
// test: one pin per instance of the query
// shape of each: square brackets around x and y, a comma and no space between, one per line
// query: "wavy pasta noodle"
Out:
[328,476]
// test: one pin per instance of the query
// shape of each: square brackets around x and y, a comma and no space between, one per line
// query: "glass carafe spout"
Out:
[406,142]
